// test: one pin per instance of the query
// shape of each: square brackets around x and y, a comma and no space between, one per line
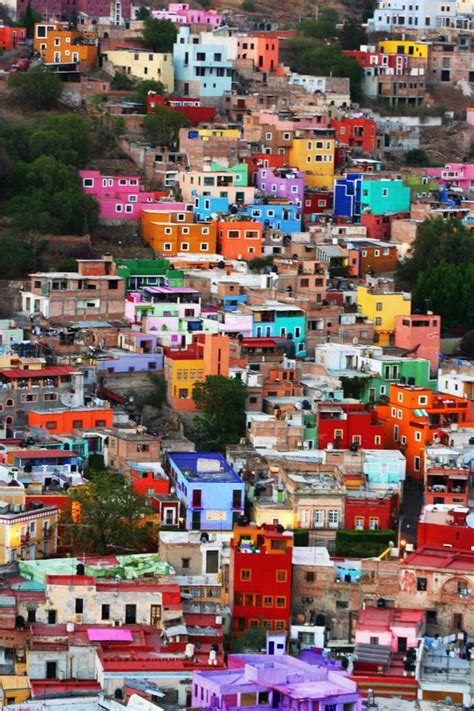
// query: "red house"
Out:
[317,201]
[191,108]
[356,132]
[443,526]
[447,486]
[11,37]
[260,579]
[263,160]
[371,512]
[149,480]
[345,425]
[380,226]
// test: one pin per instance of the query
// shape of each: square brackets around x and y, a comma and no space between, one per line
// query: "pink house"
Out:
[390,627]
[459,175]
[182,14]
[122,197]
[282,182]
[419,334]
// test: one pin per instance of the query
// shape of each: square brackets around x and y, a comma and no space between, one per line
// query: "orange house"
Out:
[57,44]
[208,355]
[66,420]
[261,49]
[173,232]
[240,239]
[413,417]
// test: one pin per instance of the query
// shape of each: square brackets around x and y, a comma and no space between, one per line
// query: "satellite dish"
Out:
[68,398]
[470,520]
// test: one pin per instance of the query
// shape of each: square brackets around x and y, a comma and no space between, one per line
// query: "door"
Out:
[371,395]
[402,644]
[271,647]
[130,614]
[51,670]
[155,615]
[196,521]
[197,499]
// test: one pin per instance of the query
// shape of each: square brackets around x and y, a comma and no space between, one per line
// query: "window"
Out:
[204,246]
[267,601]
[118,208]
[333,518]
[395,433]
[281,601]
[417,436]
[167,247]
[377,439]
[79,605]
[155,615]
[373,523]
[423,400]
[51,425]
[52,617]
[105,612]
[421,584]
[185,563]
[185,246]
[374,640]
[378,321]
[318,519]
[77,424]
[359,523]
[416,464]
[212,561]
[245,575]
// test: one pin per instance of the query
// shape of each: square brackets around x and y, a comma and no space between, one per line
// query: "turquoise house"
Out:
[380,197]
[278,320]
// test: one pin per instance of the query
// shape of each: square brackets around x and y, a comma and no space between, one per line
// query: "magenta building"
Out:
[282,183]
[263,681]
[181,14]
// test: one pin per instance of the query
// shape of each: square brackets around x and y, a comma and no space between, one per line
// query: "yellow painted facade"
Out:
[382,308]
[270,515]
[15,689]
[418,50]
[315,157]
[25,534]
[144,64]
[207,133]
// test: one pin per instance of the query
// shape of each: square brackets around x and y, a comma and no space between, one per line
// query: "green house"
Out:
[139,273]
[391,370]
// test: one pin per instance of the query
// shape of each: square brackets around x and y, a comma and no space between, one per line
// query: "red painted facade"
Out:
[317,201]
[343,425]
[370,514]
[263,160]
[146,484]
[448,530]
[356,133]
[260,579]
[11,37]
[447,486]
[191,108]
[380,226]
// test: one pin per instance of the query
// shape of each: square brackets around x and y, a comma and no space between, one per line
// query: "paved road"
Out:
[410,510]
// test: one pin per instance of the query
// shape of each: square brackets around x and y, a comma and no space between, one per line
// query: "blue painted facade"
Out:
[347,195]
[212,493]
[232,303]
[205,206]
[132,363]
[198,64]
[284,217]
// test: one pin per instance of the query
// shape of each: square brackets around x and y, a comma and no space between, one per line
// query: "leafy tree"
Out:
[248,6]
[143,13]
[259,264]
[28,19]
[162,126]
[318,29]
[416,156]
[221,401]
[438,241]
[330,14]
[159,35]
[329,60]
[73,19]
[142,89]
[106,514]
[447,289]
[354,387]
[17,257]
[250,641]
[157,397]
[122,82]
[466,347]
[37,89]
[352,34]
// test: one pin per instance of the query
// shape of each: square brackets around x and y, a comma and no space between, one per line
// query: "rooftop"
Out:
[205,467]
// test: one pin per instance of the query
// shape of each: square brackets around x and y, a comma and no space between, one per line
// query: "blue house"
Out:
[205,206]
[202,63]
[209,489]
[277,216]
[347,195]
[232,303]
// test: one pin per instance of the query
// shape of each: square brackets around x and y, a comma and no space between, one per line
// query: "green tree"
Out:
[466,347]
[248,6]
[330,14]
[73,19]
[18,259]
[416,156]
[162,126]
[36,89]
[159,35]
[28,19]
[143,13]
[260,264]
[122,82]
[142,89]
[250,641]
[329,60]
[352,34]
[157,397]
[106,515]
[447,290]
[221,401]
[321,29]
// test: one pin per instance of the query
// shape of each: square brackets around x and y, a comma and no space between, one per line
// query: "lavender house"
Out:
[263,681]
[282,182]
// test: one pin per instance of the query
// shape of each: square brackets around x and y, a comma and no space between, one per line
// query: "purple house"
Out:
[122,197]
[282,182]
[264,681]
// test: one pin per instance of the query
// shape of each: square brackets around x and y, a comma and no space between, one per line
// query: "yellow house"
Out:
[143,64]
[25,534]
[382,308]
[15,689]
[207,133]
[418,50]
[315,157]
[272,513]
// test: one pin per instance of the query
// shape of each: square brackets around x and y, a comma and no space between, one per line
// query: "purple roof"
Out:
[170,290]
[109,634]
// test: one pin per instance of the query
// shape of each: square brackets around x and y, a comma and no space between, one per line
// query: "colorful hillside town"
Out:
[236,355]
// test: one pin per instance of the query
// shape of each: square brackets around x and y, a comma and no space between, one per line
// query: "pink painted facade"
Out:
[122,197]
[320,120]
[237,323]
[182,14]
[391,627]
[420,334]
[459,175]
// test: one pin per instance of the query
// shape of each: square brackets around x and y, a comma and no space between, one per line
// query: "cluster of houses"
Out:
[272,227]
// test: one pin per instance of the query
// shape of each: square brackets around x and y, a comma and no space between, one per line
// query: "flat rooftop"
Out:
[205,467]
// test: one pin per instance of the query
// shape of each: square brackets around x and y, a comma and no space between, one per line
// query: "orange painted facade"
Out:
[173,232]
[240,239]
[65,421]
[208,355]
[261,49]
[412,419]
[59,45]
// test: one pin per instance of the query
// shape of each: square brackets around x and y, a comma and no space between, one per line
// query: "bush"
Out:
[416,156]
[363,544]
[301,537]
[248,6]
[37,89]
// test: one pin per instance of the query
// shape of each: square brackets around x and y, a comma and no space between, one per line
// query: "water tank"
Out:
[70,627]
